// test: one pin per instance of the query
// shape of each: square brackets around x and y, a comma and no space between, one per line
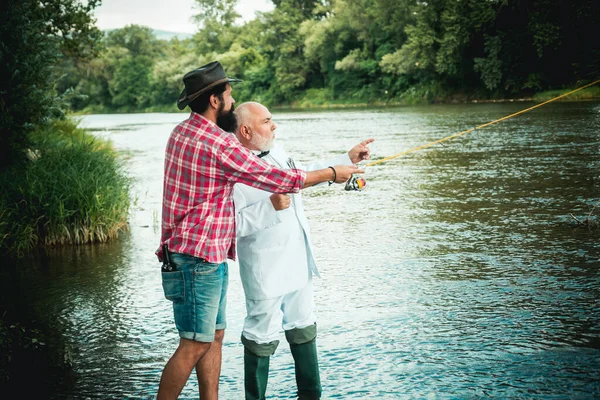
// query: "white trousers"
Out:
[265,318]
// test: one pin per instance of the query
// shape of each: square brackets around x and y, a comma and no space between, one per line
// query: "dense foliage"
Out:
[339,51]
[59,184]
[34,36]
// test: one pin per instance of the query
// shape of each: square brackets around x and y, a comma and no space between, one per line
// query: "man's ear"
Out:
[245,132]
[214,101]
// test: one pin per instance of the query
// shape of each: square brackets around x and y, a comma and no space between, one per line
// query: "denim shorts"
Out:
[198,290]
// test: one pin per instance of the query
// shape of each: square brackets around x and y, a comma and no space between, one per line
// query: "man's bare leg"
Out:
[178,369]
[208,369]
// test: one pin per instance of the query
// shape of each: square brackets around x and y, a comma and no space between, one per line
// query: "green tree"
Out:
[304,7]
[167,73]
[138,40]
[285,48]
[490,67]
[133,50]
[454,37]
[556,42]
[349,42]
[219,11]
[130,88]
[216,20]
[34,35]
[358,51]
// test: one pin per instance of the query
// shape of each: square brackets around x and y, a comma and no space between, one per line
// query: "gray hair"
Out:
[244,112]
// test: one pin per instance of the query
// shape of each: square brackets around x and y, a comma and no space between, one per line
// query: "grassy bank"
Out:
[72,190]
[591,93]
[99,109]
[325,98]
[425,94]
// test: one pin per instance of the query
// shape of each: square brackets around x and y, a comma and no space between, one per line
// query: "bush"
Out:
[422,93]
[72,191]
[315,97]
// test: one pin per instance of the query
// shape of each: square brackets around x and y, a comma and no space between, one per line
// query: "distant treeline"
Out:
[308,52]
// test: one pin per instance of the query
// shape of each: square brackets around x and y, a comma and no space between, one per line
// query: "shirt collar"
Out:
[201,119]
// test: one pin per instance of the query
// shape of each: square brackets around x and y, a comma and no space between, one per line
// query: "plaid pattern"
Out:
[202,163]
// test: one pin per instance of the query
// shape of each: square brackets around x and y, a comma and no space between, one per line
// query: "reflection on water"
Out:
[455,274]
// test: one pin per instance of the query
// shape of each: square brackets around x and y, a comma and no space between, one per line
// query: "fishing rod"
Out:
[357,182]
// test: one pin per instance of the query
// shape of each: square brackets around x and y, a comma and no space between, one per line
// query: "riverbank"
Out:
[72,189]
[420,96]
[316,99]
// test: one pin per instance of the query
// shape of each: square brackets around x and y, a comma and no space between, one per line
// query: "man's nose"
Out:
[274,126]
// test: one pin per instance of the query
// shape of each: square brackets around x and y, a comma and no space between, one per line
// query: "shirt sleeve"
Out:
[240,165]
[342,159]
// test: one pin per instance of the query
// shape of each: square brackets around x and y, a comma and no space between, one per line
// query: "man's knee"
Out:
[193,349]
[260,349]
[219,335]
[301,335]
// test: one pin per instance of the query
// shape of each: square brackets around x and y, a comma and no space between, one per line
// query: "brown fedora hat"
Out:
[200,80]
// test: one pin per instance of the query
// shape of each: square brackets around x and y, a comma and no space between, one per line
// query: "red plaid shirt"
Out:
[202,163]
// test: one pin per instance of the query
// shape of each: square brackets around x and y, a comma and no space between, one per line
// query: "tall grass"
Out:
[591,93]
[73,191]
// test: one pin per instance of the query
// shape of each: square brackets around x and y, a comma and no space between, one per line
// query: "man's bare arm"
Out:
[341,174]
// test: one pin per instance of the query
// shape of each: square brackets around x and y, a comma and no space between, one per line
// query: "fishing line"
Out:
[358,183]
[477,127]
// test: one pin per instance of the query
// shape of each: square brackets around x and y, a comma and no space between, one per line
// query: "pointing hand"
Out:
[361,151]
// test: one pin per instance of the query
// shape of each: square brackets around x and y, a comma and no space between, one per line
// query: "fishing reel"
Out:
[356,183]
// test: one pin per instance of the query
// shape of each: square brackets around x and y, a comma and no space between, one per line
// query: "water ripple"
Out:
[453,275]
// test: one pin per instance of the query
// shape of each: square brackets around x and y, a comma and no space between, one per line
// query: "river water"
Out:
[457,273]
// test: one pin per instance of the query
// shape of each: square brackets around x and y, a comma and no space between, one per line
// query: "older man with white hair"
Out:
[277,262]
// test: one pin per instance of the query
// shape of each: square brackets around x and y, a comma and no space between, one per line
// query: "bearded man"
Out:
[202,163]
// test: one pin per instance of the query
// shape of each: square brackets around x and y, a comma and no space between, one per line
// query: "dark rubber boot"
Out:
[256,374]
[307,370]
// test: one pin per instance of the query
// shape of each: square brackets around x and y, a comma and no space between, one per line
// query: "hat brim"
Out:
[185,99]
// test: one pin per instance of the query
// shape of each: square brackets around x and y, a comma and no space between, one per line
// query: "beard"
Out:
[226,119]
[261,143]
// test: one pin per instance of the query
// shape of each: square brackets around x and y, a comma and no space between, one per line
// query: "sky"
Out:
[167,15]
